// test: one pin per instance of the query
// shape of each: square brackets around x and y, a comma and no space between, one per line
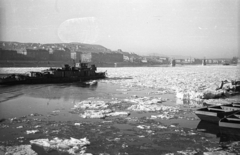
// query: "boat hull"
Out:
[228,124]
[213,114]
[49,80]
[231,121]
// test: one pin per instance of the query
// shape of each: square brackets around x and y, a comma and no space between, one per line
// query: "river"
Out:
[49,109]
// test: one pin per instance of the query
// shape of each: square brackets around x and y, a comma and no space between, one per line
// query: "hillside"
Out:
[72,46]
[56,54]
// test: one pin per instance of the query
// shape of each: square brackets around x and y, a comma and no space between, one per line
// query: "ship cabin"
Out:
[35,74]
[79,70]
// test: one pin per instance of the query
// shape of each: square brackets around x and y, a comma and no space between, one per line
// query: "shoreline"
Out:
[22,64]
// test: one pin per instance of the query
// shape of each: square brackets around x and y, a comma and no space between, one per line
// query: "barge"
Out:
[67,74]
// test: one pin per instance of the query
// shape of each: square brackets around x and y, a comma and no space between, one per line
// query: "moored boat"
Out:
[231,121]
[215,113]
[231,107]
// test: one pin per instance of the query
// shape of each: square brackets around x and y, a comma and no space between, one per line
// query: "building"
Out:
[107,57]
[22,51]
[73,55]
[61,55]
[179,60]
[209,61]
[235,60]
[7,54]
[86,57]
[215,61]
[37,54]
[125,58]
[144,60]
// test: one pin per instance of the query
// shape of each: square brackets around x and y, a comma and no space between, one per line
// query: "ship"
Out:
[80,72]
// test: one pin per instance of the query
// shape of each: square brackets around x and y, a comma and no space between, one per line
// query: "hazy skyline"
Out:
[197,28]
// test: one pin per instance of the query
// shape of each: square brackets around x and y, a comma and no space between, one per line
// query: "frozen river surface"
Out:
[134,111]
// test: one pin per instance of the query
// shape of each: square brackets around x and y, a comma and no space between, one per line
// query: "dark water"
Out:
[16,101]
[21,100]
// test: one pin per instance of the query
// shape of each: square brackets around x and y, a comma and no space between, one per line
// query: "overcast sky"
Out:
[196,28]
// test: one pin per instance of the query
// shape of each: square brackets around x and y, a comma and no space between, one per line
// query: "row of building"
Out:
[87,53]
[167,60]
[63,55]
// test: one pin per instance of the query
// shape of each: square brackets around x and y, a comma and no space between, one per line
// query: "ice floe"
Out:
[17,150]
[165,115]
[88,104]
[72,146]
[148,104]
[219,153]
[102,109]
[19,127]
[187,152]
[143,127]
[151,107]
[145,100]
[31,131]
[97,109]
[119,113]
[95,113]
